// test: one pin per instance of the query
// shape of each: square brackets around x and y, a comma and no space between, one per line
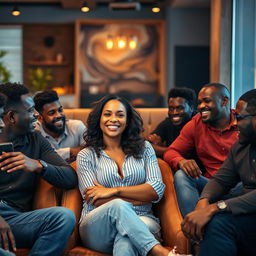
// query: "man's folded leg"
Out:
[45,231]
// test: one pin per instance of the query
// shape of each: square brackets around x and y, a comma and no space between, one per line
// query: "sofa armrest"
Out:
[46,195]
[72,200]
[169,214]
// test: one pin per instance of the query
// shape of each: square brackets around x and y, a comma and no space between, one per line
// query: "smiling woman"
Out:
[113,120]
[119,176]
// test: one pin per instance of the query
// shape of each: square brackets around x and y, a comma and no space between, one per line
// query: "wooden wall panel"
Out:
[36,54]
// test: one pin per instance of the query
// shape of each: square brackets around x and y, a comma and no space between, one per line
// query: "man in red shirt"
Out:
[209,134]
[227,227]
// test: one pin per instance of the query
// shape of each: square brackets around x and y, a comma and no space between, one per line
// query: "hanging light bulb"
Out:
[85,7]
[109,43]
[156,8]
[121,42]
[16,11]
[133,42]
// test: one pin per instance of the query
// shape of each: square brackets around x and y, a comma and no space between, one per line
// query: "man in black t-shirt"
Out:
[181,103]
[2,104]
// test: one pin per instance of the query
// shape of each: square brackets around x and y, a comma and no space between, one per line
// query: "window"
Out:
[11,42]
[243,48]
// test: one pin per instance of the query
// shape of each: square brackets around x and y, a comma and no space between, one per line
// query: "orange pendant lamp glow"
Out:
[16,11]
[156,8]
[85,7]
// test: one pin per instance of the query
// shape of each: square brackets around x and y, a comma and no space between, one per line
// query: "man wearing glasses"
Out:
[231,223]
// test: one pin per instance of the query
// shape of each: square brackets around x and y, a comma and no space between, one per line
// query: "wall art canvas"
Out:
[120,58]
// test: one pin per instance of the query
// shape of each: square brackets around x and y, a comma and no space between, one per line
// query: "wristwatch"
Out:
[222,206]
[44,164]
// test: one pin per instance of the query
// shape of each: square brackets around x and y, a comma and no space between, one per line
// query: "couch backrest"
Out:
[151,116]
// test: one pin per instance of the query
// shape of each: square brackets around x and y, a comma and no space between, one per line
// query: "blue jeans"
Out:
[229,235]
[115,228]
[5,253]
[45,231]
[188,191]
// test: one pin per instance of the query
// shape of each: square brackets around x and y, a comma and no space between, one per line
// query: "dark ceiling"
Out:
[74,4]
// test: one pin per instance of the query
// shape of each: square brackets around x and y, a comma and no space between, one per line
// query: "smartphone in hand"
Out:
[6,147]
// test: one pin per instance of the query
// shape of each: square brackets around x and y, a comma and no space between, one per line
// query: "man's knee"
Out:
[180,174]
[220,223]
[180,177]
[64,216]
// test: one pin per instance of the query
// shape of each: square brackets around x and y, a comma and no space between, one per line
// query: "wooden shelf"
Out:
[47,63]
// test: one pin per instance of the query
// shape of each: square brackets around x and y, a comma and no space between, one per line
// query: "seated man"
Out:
[45,231]
[210,134]
[233,231]
[181,103]
[2,104]
[66,136]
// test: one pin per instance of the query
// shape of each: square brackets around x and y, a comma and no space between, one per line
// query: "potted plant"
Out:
[5,74]
[39,79]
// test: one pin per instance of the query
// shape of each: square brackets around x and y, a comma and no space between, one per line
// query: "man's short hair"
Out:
[221,87]
[3,100]
[43,98]
[13,93]
[188,94]
[250,98]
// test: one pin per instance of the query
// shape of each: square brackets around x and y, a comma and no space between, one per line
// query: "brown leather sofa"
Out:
[167,210]
[50,196]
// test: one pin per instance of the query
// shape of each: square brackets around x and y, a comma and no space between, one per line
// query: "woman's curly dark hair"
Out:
[132,142]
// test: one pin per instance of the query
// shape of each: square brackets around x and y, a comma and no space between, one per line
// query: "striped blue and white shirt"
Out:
[105,171]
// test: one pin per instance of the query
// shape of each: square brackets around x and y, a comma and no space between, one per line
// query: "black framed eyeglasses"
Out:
[241,117]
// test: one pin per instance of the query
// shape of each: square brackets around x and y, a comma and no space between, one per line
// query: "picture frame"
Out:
[120,57]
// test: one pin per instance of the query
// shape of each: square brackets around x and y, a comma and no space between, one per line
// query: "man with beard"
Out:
[181,104]
[66,136]
[45,231]
[233,231]
[209,134]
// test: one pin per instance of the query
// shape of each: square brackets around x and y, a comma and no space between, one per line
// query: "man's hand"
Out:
[190,167]
[14,161]
[155,139]
[73,153]
[6,236]
[98,192]
[194,222]
[202,203]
